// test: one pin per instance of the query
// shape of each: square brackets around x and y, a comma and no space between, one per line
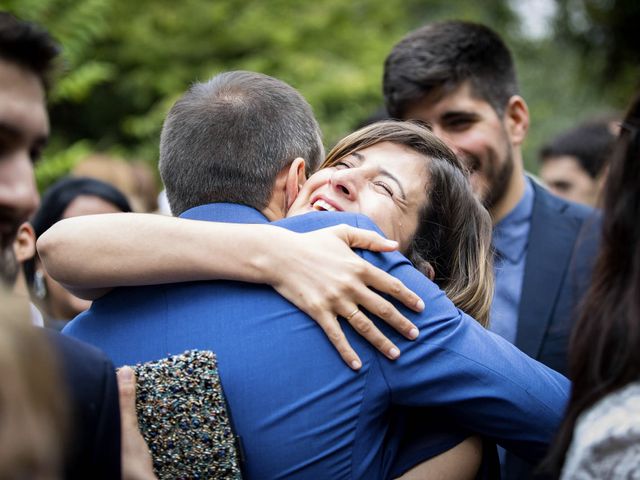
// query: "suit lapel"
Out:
[551,241]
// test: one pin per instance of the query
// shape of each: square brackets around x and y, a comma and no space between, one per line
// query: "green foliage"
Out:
[59,162]
[125,62]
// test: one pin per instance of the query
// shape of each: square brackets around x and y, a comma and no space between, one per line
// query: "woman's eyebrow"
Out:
[358,156]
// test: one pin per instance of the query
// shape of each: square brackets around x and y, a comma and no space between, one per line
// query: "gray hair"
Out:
[226,140]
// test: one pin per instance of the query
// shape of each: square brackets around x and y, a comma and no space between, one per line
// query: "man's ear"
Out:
[24,244]
[296,177]
[516,117]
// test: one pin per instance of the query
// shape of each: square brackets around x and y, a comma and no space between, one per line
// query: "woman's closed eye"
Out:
[382,186]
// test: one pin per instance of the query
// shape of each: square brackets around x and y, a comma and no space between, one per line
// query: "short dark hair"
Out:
[590,143]
[226,140]
[442,56]
[27,45]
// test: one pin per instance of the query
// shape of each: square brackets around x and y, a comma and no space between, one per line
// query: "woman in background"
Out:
[600,436]
[69,197]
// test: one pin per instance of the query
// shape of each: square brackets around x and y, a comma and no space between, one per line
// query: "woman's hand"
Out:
[320,274]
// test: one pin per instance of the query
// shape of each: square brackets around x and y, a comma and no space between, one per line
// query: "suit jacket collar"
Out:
[551,240]
[225,212]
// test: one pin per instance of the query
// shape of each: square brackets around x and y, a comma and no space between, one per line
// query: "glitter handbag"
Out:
[183,416]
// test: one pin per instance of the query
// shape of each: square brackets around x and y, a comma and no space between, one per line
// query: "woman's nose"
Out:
[345,183]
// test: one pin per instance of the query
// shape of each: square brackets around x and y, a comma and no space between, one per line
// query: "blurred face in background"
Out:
[60,303]
[566,178]
[24,129]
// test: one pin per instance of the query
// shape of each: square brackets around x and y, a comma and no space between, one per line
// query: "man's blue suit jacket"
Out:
[300,411]
[563,242]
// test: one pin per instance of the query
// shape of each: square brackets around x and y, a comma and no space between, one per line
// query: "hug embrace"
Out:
[237,149]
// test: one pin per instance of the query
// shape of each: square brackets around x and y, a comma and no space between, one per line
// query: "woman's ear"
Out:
[516,117]
[295,179]
[24,245]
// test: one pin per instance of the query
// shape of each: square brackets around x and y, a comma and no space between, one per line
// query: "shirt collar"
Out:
[510,234]
[225,212]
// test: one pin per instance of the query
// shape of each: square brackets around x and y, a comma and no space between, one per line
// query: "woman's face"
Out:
[62,304]
[386,182]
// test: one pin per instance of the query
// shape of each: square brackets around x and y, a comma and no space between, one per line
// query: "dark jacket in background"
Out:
[91,385]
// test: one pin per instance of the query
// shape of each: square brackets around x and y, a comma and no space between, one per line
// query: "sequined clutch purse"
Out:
[183,416]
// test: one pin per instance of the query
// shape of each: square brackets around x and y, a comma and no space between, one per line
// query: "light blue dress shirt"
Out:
[510,240]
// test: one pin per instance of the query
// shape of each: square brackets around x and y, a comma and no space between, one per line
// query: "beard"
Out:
[498,176]
[490,179]
[8,266]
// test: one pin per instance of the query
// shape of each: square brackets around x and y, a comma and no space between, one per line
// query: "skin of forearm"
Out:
[137,249]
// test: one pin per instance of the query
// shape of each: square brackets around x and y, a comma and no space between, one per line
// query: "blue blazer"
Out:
[300,411]
[563,242]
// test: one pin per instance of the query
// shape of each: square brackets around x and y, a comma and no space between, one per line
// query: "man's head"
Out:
[26,55]
[460,78]
[573,163]
[228,139]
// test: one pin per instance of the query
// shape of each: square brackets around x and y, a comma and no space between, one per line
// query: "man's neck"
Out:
[277,207]
[272,214]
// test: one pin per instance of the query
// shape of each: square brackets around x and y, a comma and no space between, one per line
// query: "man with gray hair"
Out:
[228,139]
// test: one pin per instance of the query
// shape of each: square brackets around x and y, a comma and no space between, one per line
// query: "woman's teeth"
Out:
[321,205]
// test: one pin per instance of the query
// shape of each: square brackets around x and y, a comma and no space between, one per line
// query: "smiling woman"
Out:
[390,193]
[416,190]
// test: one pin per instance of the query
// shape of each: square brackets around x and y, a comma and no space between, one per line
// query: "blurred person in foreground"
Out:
[68,197]
[573,164]
[87,377]
[33,407]
[600,436]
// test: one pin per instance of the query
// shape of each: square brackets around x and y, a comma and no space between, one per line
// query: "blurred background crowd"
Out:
[124,63]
